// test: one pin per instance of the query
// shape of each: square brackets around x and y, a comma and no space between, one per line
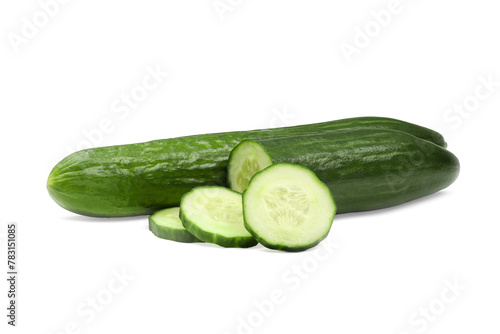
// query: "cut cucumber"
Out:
[286,207]
[246,159]
[214,214]
[138,179]
[365,169]
[166,224]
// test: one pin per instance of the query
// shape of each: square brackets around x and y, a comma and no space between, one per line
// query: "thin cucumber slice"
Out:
[215,214]
[286,207]
[166,224]
[246,159]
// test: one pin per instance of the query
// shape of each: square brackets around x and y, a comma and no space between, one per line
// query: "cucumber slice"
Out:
[166,224]
[214,214]
[286,207]
[246,159]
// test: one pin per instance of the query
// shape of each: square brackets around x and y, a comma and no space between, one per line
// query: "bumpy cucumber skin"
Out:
[168,233]
[272,245]
[194,229]
[369,169]
[139,179]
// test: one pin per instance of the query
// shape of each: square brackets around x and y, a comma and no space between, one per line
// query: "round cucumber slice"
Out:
[246,159]
[214,214]
[286,207]
[166,224]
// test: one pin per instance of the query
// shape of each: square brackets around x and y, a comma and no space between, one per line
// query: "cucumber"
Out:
[166,224]
[286,207]
[215,214]
[246,159]
[138,179]
[365,169]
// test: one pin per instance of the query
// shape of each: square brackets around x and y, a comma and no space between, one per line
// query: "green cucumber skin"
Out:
[369,169]
[284,248]
[139,179]
[169,231]
[194,229]
[243,242]
[171,234]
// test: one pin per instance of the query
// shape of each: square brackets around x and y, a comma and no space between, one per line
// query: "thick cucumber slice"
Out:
[214,214]
[166,224]
[246,159]
[286,207]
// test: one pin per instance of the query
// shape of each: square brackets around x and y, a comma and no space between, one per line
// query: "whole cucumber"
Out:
[138,179]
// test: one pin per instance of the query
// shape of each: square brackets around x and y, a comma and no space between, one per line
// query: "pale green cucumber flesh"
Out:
[215,214]
[246,159]
[247,153]
[286,207]
[166,224]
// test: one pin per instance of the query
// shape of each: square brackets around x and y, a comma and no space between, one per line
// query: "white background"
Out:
[259,64]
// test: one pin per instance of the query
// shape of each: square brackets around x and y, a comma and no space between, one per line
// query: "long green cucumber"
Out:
[137,179]
[365,169]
